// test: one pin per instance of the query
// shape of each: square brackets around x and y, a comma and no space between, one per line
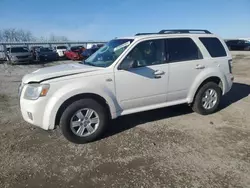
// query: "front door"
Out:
[145,82]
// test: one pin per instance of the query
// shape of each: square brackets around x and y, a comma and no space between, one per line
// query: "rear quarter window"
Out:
[213,46]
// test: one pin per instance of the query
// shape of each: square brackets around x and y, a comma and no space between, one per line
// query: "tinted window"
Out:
[46,50]
[18,49]
[61,47]
[231,42]
[74,48]
[182,49]
[214,47]
[146,53]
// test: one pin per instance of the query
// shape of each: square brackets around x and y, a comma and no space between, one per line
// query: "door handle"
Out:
[159,72]
[200,66]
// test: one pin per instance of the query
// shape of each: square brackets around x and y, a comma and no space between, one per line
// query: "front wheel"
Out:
[207,99]
[83,121]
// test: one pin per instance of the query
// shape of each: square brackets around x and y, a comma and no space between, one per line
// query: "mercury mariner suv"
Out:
[128,75]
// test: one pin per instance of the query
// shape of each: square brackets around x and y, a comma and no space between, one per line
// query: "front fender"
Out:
[71,90]
[208,73]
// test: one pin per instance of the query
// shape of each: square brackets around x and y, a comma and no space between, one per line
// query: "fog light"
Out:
[30,115]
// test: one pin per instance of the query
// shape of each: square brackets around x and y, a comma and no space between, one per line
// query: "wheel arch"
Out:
[213,78]
[69,101]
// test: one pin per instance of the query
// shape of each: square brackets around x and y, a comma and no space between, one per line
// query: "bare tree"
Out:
[55,38]
[20,35]
[13,35]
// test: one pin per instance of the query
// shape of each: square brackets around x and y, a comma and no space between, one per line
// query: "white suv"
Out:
[60,50]
[128,75]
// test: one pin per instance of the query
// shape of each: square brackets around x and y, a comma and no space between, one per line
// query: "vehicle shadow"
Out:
[129,121]
[237,93]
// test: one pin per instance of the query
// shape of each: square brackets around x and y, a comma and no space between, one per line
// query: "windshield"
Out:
[18,49]
[107,54]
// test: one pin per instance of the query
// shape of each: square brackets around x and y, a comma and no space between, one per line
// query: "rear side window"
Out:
[182,49]
[213,46]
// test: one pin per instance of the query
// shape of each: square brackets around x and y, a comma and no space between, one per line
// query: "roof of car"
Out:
[164,35]
[172,33]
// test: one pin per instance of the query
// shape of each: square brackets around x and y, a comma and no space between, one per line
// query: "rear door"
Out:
[185,63]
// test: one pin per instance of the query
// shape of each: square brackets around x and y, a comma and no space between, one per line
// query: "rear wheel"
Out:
[83,121]
[207,99]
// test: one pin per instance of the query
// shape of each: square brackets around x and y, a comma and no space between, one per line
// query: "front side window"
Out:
[107,54]
[145,54]
[182,49]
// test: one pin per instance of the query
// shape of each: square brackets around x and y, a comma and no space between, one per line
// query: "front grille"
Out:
[22,57]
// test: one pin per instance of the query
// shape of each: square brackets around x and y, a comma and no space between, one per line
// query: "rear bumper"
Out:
[229,83]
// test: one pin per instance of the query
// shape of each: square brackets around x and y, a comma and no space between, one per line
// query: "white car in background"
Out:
[61,50]
[2,55]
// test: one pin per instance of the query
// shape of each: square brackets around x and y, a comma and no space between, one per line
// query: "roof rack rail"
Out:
[176,31]
[145,34]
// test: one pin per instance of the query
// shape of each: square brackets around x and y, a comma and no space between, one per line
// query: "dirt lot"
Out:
[170,147]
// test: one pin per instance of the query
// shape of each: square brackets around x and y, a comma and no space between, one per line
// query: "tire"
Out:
[197,105]
[69,115]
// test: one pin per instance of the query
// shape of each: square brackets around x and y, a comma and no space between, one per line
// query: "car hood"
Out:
[58,71]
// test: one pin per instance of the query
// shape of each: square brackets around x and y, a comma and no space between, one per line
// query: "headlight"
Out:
[34,91]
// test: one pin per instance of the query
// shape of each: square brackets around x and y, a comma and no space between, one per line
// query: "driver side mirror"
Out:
[126,64]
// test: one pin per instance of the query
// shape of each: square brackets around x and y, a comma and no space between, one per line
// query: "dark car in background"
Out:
[238,45]
[33,50]
[46,54]
[88,52]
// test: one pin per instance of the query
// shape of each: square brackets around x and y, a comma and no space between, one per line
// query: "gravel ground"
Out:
[170,147]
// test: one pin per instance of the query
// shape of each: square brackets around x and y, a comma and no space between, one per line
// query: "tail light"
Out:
[230,65]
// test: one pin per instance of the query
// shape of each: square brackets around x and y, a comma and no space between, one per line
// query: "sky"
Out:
[81,20]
